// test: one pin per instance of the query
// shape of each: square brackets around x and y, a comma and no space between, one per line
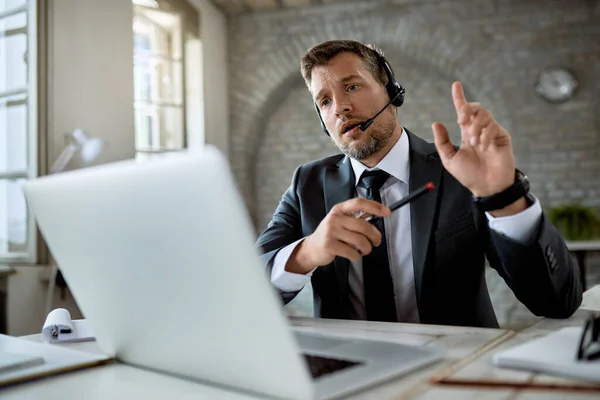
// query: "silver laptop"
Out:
[160,258]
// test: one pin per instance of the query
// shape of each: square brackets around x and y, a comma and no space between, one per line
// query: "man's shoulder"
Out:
[312,172]
[423,146]
[322,163]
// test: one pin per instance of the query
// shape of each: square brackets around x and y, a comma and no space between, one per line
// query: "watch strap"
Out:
[505,198]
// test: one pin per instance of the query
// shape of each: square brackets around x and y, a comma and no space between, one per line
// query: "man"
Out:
[425,262]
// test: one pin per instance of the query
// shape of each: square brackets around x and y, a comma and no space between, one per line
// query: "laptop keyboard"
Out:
[320,366]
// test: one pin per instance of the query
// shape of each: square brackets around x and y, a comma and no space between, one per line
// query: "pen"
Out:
[428,187]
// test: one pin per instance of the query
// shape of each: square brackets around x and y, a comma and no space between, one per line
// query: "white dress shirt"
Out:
[519,227]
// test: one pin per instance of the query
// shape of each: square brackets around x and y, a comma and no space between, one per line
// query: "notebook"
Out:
[11,361]
[554,354]
[44,359]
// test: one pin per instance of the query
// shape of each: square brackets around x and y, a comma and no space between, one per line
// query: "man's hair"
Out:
[321,54]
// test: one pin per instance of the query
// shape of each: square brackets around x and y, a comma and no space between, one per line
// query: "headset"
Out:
[394,89]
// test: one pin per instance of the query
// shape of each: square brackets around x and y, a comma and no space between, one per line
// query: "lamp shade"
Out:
[90,149]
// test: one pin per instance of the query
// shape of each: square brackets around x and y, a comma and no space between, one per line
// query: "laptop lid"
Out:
[160,258]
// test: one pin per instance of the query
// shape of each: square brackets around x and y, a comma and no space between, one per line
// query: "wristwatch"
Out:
[508,196]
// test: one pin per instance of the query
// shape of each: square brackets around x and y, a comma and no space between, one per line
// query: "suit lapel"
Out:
[339,186]
[423,168]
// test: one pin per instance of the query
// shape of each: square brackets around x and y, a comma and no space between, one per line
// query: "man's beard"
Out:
[378,138]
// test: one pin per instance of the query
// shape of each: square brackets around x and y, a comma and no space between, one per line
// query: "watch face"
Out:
[520,175]
[556,84]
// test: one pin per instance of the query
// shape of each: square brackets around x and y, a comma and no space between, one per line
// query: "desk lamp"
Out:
[89,148]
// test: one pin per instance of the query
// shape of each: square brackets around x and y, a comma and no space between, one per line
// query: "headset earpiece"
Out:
[394,89]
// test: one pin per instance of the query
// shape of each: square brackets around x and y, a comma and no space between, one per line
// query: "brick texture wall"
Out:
[495,48]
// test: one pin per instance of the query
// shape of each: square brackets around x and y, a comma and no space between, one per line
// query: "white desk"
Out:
[116,381]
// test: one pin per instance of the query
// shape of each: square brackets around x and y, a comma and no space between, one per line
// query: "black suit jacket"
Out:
[450,240]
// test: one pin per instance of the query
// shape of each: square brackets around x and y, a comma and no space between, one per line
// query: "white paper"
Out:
[554,354]
[59,328]
[9,361]
[56,359]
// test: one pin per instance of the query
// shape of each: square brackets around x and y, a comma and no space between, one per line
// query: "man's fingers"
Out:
[442,142]
[467,111]
[357,204]
[358,241]
[458,96]
[364,228]
[488,134]
[345,250]
[478,122]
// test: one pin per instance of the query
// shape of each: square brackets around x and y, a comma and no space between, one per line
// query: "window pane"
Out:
[10,4]
[13,217]
[13,134]
[158,79]
[158,69]
[158,128]
[13,49]
[171,127]
[157,32]
[146,130]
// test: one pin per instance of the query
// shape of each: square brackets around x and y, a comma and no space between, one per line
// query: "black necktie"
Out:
[377,279]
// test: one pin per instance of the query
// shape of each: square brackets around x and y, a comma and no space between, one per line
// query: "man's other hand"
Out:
[341,234]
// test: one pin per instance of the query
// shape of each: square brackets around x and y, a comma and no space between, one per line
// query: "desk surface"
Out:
[119,381]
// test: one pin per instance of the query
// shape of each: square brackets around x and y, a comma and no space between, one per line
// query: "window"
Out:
[18,127]
[158,79]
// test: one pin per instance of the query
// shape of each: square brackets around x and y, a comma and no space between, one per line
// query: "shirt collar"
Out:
[394,163]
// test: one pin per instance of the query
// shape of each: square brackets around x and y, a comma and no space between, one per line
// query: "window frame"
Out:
[31,7]
[159,106]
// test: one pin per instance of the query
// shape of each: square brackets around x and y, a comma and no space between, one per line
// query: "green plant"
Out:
[575,221]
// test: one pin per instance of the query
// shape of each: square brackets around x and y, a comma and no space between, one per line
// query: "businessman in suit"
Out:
[423,263]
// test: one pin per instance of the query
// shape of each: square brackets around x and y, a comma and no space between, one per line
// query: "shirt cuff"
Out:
[519,227]
[284,280]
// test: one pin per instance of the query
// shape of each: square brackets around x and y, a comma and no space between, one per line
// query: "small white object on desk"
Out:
[59,328]
[554,354]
